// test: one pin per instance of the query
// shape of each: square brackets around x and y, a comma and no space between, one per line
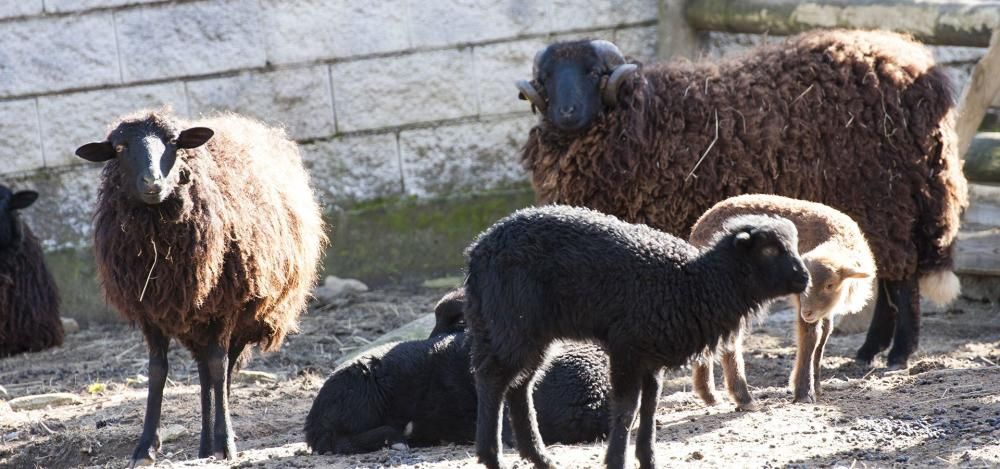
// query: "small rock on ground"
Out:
[41,401]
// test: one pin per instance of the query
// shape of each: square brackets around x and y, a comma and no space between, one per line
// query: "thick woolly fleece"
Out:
[861,121]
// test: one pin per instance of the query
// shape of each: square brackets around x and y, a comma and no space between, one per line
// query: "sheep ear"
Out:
[97,152]
[23,199]
[742,240]
[849,272]
[194,137]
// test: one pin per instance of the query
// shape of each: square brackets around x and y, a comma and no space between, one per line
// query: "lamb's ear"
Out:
[97,152]
[742,240]
[850,272]
[194,137]
[23,199]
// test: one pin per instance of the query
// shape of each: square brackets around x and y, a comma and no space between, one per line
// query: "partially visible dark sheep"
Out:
[571,392]
[421,393]
[861,121]
[29,299]
[206,232]
[650,299]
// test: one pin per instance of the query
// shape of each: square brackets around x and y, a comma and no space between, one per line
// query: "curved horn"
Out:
[608,53]
[621,73]
[527,91]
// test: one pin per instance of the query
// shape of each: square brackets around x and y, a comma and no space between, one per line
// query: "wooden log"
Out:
[418,329]
[945,23]
[979,92]
[982,161]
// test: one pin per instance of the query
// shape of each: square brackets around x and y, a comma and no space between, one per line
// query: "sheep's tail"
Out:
[940,287]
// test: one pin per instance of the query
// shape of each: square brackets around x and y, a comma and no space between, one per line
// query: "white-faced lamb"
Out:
[29,299]
[651,300]
[861,121]
[422,393]
[841,267]
[207,232]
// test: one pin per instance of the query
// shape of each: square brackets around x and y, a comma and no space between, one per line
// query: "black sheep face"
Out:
[146,152]
[574,82]
[772,251]
[9,203]
[448,315]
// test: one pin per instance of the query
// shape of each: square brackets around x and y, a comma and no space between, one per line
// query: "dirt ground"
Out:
[944,411]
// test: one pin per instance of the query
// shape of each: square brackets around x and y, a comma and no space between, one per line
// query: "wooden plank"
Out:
[984,207]
[978,252]
[953,23]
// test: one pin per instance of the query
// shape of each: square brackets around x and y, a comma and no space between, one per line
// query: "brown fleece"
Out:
[29,299]
[858,120]
[236,245]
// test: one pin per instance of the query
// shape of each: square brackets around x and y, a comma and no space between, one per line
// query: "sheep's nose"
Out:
[149,180]
[567,111]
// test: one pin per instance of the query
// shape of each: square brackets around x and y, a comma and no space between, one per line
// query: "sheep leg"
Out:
[492,380]
[645,440]
[223,438]
[626,383]
[906,296]
[149,442]
[235,350]
[807,337]
[703,380]
[524,422]
[734,372]
[881,328]
[827,325]
[204,378]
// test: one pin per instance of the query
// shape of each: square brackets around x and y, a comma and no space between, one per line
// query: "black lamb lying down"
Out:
[421,393]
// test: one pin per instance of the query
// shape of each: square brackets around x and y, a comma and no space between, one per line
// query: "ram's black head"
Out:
[767,248]
[10,202]
[573,82]
[146,151]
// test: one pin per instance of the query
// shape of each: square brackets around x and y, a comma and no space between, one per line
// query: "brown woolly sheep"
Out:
[29,299]
[858,120]
[840,265]
[207,232]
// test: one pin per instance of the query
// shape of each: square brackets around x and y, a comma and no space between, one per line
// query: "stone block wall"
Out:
[388,99]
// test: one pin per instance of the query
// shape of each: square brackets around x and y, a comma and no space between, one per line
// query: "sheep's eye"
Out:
[829,286]
[120,148]
[769,251]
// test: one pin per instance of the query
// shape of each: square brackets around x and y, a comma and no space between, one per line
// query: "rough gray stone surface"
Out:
[580,14]
[303,30]
[406,89]
[466,157]
[464,21]
[20,149]
[498,66]
[173,40]
[355,168]
[14,8]
[62,6]
[71,120]
[62,215]
[298,99]
[73,52]
[638,42]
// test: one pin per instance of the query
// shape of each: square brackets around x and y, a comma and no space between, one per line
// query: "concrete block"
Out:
[305,30]
[15,8]
[586,14]
[175,40]
[69,121]
[298,99]
[498,66]
[52,54]
[392,91]
[20,148]
[63,6]
[638,42]
[355,168]
[461,21]
[468,157]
